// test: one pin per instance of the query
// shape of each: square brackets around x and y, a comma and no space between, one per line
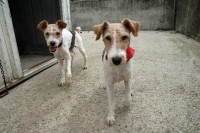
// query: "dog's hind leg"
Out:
[79,44]
[82,51]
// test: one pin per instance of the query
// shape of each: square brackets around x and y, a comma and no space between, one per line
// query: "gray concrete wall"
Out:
[188,18]
[153,14]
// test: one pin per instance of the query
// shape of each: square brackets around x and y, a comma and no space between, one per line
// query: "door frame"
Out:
[65,12]
[9,51]
[8,46]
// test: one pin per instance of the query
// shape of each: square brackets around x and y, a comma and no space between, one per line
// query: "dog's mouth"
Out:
[52,49]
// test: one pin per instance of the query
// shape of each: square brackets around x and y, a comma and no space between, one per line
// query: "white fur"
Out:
[51,37]
[78,28]
[63,55]
[113,74]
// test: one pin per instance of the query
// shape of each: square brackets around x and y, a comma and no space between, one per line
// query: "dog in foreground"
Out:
[117,64]
[61,43]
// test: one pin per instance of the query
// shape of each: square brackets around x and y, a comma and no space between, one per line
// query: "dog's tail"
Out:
[78,29]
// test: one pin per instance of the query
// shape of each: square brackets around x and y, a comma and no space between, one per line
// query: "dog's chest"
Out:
[117,74]
[117,77]
[60,54]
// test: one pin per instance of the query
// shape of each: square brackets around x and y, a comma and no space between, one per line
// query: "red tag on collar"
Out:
[129,53]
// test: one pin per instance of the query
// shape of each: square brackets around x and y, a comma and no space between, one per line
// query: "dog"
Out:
[117,64]
[78,29]
[61,43]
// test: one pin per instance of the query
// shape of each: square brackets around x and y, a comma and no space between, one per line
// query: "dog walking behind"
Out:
[61,43]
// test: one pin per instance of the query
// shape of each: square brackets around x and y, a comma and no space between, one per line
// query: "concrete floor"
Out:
[30,60]
[166,92]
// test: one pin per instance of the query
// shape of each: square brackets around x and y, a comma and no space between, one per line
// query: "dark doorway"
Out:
[26,14]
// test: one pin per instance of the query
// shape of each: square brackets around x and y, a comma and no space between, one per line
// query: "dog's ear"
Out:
[100,28]
[61,24]
[42,25]
[132,26]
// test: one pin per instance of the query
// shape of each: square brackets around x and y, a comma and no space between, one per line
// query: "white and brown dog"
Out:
[117,56]
[61,43]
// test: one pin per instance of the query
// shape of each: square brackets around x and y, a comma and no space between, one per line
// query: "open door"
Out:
[26,14]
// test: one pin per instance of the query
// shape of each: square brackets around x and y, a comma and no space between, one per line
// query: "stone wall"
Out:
[152,14]
[188,18]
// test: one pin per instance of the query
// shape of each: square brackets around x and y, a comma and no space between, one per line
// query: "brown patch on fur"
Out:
[100,29]
[122,30]
[122,36]
[52,30]
[132,26]
[61,24]
[42,25]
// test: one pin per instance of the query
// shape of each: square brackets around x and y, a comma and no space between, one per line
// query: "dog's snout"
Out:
[116,60]
[52,43]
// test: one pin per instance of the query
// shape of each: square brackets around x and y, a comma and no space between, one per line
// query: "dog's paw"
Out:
[62,83]
[85,67]
[110,121]
[68,84]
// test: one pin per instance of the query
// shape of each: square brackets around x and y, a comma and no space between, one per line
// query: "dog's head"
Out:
[116,38]
[78,29]
[52,33]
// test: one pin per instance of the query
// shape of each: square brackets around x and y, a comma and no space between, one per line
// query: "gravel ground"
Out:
[165,92]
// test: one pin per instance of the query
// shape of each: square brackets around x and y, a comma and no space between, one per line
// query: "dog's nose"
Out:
[116,60]
[52,43]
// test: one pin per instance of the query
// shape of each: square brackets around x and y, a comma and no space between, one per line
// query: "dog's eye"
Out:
[47,33]
[124,37]
[57,33]
[108,38]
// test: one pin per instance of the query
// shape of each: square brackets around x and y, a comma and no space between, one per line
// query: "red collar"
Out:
[129,53]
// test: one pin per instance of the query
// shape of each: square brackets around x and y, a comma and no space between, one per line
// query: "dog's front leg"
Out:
[111,106]
[128,84]
[61,64]
[69,73]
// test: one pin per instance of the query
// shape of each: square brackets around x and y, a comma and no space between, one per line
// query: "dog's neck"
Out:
[61,43]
